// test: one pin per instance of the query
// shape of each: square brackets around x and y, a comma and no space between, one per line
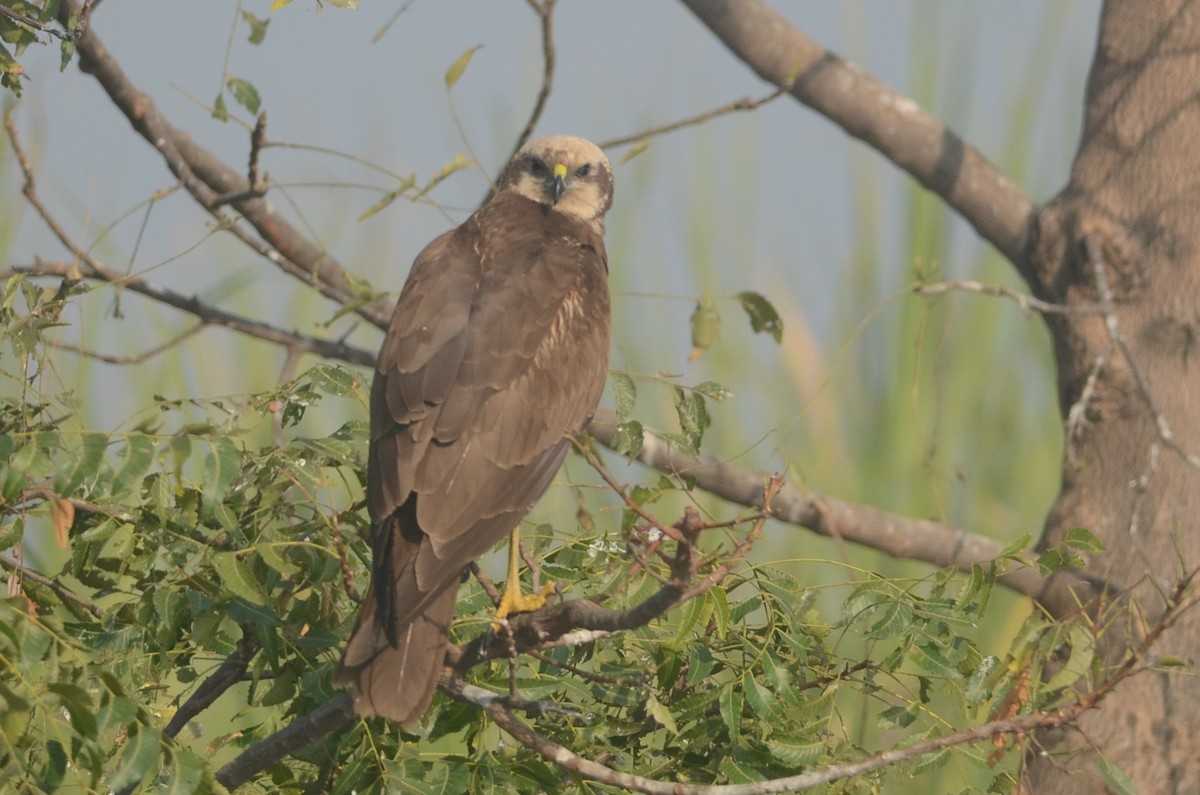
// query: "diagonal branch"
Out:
[210,181]
[899,536]
[877,115]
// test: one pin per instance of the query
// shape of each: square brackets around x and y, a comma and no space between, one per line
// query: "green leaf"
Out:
[976,691]
[692,412]
[891,619]
[713,390]
[86,466]
[220,110]
[624,393]
[1119,783]
[459,66]
[238,577]
[898,717]
[628,438]
[245,93]
[221,466]
[79,706]
[333,380]
[274,558]
[731,712]
[138,758]
[1013,548]
[184,773]
[761,700]
[932,659]
[1082,538]
[763,317]
[1083,652]
[258,27]
[661,714]
[795,753]
[706,328]
[136,457]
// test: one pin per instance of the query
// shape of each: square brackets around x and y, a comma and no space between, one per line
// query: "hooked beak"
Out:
[558,183]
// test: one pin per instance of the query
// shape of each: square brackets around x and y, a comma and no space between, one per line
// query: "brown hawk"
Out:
[496,354]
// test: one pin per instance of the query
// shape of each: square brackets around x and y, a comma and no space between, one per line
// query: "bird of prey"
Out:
[496,354]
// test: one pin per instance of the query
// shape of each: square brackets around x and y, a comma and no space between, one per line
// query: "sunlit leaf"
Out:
[459,66]
[237,576]
[86,465]
[245,93]
[139,756]
[624,393]
[661,714]
[628,438]
[137,455]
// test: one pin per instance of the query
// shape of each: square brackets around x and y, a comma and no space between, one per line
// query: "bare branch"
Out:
[62,591]
[738,105]
[207,179]
[228,674]
[545,10]
[899,536]
[887,121]
[1027,302]
[332,716]
[209,315]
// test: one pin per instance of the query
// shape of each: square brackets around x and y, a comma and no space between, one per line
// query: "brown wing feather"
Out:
[497,351]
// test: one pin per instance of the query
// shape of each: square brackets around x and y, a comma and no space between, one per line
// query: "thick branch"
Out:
[228,674]
[880,117]
[899,536]
[332,716]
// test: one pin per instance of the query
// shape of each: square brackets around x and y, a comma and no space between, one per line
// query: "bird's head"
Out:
[564,174]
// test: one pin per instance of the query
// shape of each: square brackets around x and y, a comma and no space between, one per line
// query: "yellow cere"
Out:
[560,171]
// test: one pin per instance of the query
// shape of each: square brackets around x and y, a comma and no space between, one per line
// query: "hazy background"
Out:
[932,408]
[778,201]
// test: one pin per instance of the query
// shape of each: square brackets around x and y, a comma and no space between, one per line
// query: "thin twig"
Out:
[63,592]
[738,105]
[1026,302]
[65,35]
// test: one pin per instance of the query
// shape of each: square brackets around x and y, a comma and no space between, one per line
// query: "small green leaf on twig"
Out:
[459,66]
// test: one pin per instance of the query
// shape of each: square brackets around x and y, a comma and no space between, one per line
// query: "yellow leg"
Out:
[513,601]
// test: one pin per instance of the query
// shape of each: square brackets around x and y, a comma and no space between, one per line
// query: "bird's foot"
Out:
[513,601]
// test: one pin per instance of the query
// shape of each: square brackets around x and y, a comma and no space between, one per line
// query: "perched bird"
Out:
[496,354]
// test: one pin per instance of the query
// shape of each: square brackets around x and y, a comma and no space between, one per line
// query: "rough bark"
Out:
[1127,227]
[1125,231]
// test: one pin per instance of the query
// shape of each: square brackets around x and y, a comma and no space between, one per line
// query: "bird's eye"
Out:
[537,167]
[583,170]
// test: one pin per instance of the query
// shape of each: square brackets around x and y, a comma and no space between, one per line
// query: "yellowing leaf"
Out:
[459,66]
[62,513]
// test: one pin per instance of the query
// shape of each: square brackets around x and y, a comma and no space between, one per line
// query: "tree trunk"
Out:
[1126,228]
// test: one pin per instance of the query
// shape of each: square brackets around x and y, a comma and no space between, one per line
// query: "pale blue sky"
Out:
[761,201]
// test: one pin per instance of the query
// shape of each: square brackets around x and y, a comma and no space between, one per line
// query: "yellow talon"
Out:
[513,601]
